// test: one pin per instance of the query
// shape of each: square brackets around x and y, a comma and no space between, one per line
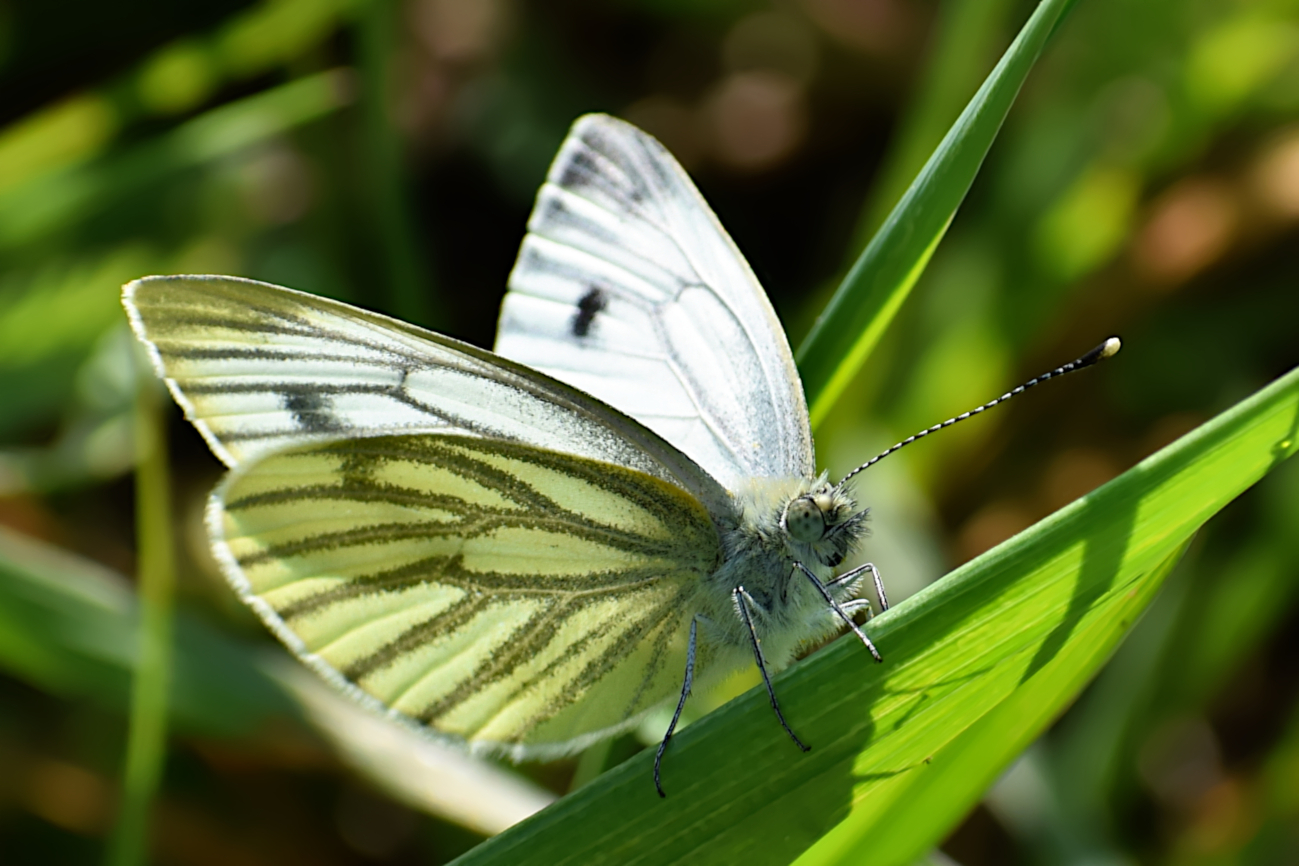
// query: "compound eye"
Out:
[804,520]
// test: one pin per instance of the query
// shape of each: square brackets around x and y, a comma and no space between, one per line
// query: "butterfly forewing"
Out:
[522,599]
[628,288]
[259,368]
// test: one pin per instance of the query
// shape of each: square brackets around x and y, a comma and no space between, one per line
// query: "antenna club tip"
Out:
[1100,353]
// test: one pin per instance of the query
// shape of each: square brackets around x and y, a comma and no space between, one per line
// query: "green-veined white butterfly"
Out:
[526,551]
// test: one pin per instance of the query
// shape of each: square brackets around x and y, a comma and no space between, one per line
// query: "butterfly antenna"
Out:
[1104,350]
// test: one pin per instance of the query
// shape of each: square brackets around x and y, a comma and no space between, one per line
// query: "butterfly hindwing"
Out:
[628,288]
[521,599]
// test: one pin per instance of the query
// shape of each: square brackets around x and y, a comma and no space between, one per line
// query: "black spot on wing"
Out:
[589,306]
[602,164]
[581,171]
[312,410]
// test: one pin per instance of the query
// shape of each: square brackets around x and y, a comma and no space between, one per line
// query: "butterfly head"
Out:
[825,522]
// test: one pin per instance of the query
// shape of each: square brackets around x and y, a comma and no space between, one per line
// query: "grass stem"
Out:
[408,284]
[146,744]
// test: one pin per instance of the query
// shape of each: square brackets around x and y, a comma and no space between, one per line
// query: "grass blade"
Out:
[915,814]
[406,279]
[967,34]
[69,626]
[34,211]
[146,746]
[855,319]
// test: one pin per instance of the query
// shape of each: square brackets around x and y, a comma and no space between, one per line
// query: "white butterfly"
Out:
[522,563]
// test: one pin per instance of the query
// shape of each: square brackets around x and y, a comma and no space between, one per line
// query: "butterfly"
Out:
[530,550]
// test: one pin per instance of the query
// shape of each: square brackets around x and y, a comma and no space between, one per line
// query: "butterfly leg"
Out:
[851,607]
[843,614]
[742,602]
[676,717]
[849,576]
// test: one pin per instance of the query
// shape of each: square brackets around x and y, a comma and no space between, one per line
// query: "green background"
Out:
[1145,183]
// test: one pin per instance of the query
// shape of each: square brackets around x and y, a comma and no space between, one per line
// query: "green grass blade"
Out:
[146,746]
[903,820]
[978,661]
[32,212]
[967,35]
[855,319]
[69,627]
[409,288]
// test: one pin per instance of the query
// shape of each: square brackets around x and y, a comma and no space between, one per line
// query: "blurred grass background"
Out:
[386,153]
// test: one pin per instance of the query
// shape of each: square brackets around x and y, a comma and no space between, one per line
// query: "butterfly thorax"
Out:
[781,523]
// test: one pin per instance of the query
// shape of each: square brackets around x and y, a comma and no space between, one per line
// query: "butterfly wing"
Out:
[521,599]
[628,288]
[258,368]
